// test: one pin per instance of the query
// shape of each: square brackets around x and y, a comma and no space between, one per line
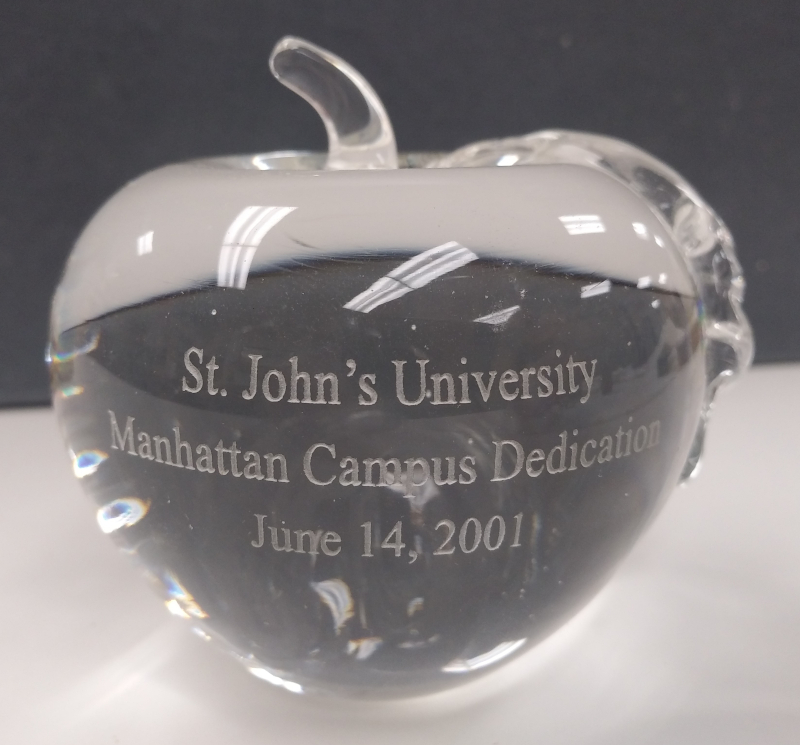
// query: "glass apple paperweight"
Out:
[378,423]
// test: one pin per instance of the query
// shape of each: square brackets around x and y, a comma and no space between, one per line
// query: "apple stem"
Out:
[360,134]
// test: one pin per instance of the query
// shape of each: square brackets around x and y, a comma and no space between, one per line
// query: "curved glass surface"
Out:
[378,431]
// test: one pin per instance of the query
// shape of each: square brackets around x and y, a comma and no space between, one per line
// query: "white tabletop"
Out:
[695,641]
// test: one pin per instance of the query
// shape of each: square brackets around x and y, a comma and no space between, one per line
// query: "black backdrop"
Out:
[94,92]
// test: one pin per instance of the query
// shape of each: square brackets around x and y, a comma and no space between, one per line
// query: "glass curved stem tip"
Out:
[359,131]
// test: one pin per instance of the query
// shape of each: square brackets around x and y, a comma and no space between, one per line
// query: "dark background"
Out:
[94,92]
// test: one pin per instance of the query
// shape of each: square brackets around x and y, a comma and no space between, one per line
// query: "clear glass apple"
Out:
[378,422]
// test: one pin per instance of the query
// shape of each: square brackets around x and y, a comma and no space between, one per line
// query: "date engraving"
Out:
[467,538]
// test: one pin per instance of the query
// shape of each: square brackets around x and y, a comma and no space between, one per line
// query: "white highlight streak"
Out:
[498,317]
[144,244]
[598,288]
[247,230]
[411,275]
[336,595]
[508,160]
[264,674]
[364,648]
[582,224]
[501,651]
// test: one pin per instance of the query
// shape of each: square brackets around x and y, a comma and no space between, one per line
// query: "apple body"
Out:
[377,431]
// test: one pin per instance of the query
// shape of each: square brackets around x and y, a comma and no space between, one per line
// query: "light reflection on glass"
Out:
[500,652]
[121,513]
[174,607]
[264,674]
[69,391]
[286,160]
[507,160]
[336,595]
[582,224]
[412,274]
[640,229]
[420,643]
[86,462]
[596,288]
[261,162]
[144,244]
[363,648]
[181,602]
[499,317]
[246,232]
[419,493]
[644,282]
[64,355]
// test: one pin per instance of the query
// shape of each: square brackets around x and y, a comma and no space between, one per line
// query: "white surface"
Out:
[695,641]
